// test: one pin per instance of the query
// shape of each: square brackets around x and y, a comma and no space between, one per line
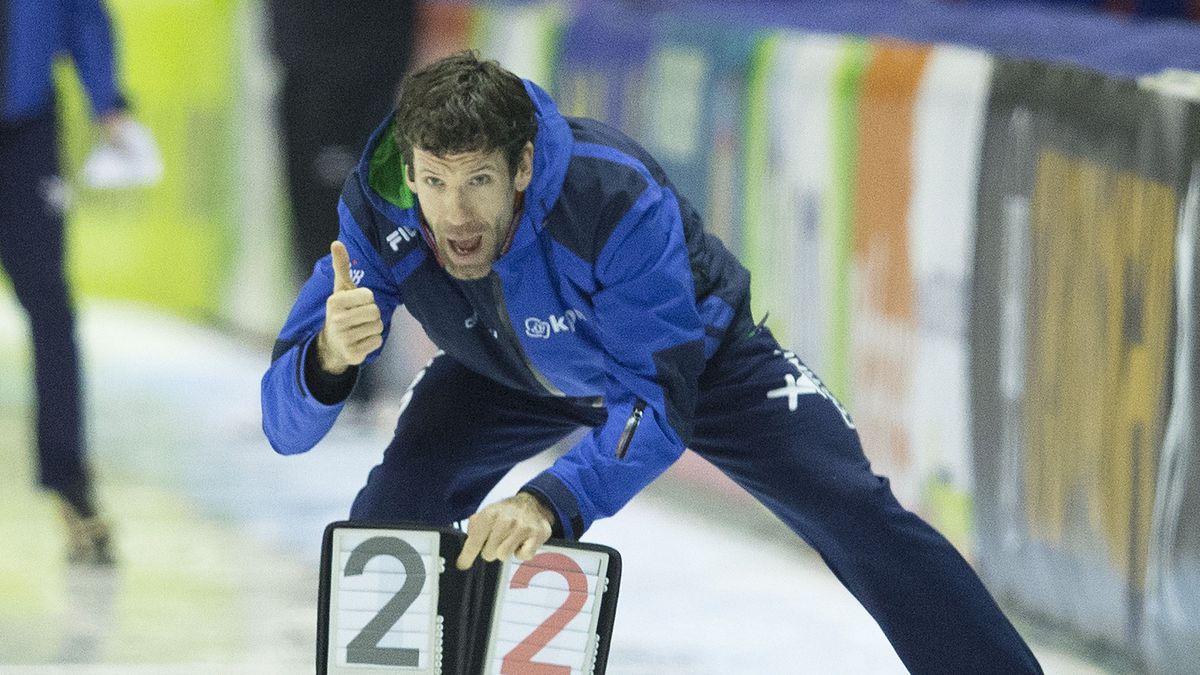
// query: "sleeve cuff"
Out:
[549,490]
[327,389]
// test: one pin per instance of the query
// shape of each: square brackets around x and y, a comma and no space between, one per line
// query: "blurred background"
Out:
[976,220]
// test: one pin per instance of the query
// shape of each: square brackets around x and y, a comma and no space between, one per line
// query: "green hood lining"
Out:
[385,171]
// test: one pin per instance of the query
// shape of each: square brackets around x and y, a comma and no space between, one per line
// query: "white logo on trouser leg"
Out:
[794,390]
[806,383]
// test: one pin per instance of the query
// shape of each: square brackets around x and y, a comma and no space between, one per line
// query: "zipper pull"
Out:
[631,425]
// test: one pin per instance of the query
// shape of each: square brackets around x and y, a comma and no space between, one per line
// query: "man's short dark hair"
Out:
[464,104]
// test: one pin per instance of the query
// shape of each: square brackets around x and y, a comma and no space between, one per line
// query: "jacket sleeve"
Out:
[294,420]
[645,308]
[90,40]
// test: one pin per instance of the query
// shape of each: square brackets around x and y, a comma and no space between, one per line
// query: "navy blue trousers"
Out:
[796,452]
[31,252]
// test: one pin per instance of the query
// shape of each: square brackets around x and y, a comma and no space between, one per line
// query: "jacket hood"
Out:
[551,155]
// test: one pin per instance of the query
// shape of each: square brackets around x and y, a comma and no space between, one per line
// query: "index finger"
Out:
[341,267]
[477,535]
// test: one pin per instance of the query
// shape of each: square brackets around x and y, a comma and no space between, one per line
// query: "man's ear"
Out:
[524,168]
[410,178]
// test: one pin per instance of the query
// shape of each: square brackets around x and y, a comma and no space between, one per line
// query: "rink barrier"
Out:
[1172,605]
[1072,339]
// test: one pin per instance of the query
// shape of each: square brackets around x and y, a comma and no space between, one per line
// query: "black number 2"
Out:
[364,648]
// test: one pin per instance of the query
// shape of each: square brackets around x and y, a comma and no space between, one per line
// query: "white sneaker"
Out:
[89,540]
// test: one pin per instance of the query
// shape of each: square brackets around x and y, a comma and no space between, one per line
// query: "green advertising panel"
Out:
[523,36]
[169,244]
[820,204]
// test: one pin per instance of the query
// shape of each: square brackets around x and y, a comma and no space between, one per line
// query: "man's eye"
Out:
[481,180]
[433,182]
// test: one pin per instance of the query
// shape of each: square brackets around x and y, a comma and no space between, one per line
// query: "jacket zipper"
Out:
[511,333]
[631,425]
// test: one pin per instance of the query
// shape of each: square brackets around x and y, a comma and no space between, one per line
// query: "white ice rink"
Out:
[219,537]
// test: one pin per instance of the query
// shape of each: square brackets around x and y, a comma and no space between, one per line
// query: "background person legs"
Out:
[32,254]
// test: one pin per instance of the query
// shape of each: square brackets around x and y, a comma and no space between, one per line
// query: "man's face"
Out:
[467,200]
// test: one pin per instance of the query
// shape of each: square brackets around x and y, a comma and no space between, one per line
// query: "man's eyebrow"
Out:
[427,168]
[483,165]
[486,165]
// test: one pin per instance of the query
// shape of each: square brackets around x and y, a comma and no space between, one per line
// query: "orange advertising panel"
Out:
[883,307]
[443,28]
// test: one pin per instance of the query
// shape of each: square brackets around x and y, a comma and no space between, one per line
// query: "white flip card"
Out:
[546,614]
[383,601]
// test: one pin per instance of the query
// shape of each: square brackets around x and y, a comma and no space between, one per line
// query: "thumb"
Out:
[341,267]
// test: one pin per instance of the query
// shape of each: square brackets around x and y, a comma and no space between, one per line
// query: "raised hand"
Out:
[353,325]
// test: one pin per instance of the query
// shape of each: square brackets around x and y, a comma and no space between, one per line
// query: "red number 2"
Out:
[520,661]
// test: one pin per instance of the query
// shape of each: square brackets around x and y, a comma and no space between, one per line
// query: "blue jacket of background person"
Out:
[32,34]
[610,290]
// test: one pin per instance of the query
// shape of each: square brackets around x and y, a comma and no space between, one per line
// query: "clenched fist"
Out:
[353,325]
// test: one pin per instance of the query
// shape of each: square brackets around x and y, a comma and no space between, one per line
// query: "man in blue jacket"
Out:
[568,285]
[32,198]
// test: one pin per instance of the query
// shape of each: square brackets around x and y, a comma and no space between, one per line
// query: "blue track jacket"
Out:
[32,34]
[610,289]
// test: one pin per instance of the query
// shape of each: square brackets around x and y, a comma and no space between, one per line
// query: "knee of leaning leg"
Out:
[864,495]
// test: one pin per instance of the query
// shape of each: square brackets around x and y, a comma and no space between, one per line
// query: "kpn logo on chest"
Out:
[537,327]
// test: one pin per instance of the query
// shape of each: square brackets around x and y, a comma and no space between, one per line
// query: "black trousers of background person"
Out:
[341,63]
[325,126]
[32,255]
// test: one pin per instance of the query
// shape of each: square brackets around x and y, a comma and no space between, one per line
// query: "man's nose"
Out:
[458,211]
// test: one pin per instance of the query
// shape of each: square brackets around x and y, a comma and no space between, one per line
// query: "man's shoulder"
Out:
[620,153]
[606,176]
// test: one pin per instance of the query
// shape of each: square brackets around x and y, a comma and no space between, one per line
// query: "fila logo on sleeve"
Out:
[400,235]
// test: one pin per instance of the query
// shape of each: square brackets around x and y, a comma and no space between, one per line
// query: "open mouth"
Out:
[466,247]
